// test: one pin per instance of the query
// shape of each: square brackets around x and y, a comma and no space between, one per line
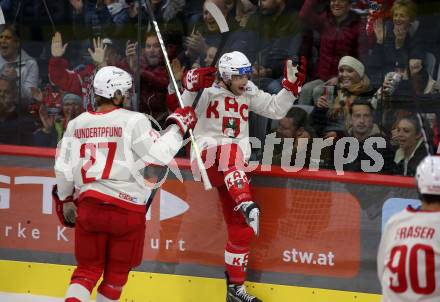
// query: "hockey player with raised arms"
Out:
[408,261]
[102,155]
[223,136]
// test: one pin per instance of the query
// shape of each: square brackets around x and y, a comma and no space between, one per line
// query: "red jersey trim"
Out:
[412,210]
[103,112]
[113,200]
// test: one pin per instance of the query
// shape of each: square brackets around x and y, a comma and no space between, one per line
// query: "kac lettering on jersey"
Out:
[98,132]
[230,105]
[422,232]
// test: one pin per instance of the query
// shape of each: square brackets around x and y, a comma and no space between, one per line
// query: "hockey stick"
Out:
[203,173]
[49,15]
[2,17]
[224,30]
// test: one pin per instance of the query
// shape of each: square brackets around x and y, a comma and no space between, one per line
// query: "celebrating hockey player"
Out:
[408,261]
[102,154]
[222,132]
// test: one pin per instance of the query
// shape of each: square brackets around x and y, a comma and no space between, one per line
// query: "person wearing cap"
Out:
[71,107]
[100,187]
[340,29]
[408,258]
[54,119]
[332,119]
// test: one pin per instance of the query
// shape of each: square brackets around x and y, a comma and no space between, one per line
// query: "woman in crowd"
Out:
[395,41]
[331,119]
[412,150]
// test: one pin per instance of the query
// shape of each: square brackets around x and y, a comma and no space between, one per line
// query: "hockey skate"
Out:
[251,213]
[237,293]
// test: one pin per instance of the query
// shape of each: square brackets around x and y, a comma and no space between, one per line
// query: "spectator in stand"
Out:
[295,125]
[16,64]
[211,51]
[363,128]
[268,70]
[206,32]
[339,29]
[332,120]
[395,42]
[164,10]
[275,27]
[412,79]
[77,81]
[169,14]
[244,9]
[408,84]
[14,128]
[55,123]
[154,76]
[99,15]
[412,148]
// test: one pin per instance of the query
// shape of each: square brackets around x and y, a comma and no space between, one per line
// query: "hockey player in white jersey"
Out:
[222,134]
[102,155]
[408,261]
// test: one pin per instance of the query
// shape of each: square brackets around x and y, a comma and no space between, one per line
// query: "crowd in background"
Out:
[372,67]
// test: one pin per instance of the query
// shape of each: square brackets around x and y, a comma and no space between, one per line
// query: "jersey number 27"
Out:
[91,148]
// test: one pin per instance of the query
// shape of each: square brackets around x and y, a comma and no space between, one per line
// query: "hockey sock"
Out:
[109,292]
[236,260]
[77,293]
[101,298]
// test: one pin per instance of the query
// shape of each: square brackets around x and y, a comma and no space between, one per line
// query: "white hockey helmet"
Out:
[428,175]
[233,63]
[109,79]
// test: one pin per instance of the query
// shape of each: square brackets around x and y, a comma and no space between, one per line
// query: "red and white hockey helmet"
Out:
[233,63]
[428,175]
[109,79]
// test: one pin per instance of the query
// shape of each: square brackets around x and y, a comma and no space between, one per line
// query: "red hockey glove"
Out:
[67,219]
[198,78]
[185,118]
[294,76]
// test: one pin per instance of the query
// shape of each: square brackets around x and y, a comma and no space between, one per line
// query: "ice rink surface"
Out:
[7,297]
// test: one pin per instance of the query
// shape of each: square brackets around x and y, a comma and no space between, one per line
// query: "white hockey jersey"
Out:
[223,116]
[408,261]
[104,155]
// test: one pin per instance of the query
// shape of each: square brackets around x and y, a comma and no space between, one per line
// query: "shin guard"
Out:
[238,185]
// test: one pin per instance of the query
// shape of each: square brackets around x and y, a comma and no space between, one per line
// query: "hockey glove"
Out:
[198,78]
[294,75]
[65,209]
[185,118]
[251,213]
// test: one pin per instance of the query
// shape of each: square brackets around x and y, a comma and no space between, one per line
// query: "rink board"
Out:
[51,280]
[336,220]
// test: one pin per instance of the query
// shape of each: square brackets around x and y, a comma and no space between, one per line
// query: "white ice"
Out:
[8,297]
